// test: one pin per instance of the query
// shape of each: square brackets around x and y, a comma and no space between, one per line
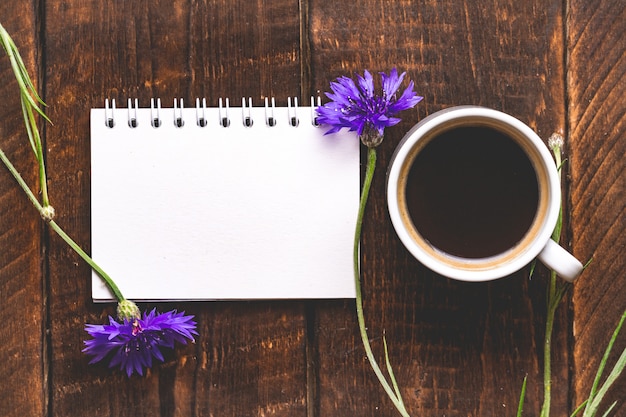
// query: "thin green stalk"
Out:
[522,396]
[554,296]
[392,375]
[605,358]
[42,211]
[579,408]
[395,398]
[547,349]
[107,279]
[20,181]
[21,74]
[30,101]
[35,140]
[597,394]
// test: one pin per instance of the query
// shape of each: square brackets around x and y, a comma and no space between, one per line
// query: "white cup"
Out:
[534,239]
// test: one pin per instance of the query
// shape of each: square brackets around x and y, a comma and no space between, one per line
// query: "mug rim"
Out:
[474,269]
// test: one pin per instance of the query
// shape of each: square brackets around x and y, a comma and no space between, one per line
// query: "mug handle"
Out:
[558,259]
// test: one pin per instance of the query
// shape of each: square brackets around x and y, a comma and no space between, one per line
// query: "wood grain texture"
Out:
[22,309]
[457,348]
[597,122]
[250,357]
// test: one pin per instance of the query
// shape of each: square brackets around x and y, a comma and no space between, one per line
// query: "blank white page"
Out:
[216,213]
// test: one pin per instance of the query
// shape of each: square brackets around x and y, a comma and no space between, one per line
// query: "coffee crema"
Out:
[472,192]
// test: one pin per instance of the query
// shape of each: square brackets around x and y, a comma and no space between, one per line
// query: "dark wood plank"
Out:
[458,349]
[250,357]
[22,310]
[597,121]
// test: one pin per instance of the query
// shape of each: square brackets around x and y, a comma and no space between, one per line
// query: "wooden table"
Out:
[459,349]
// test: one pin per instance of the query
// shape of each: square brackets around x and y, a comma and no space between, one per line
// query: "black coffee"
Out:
[472,192]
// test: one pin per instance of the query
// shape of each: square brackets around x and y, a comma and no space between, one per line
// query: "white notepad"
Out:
[216,213]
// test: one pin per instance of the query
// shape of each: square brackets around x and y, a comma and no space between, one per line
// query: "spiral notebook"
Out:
[222,203]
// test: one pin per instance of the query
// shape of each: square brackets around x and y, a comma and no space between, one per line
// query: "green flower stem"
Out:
[547,348]
[30,101]
[33,133]
[556,291]
[520,407]
[107,279]
[42,211]
[394,395]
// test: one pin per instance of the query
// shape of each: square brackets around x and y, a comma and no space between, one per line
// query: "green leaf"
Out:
[522,396]
[390,370]
[579,408]
[533,265]
[606,413]
[26,86]
[596,395]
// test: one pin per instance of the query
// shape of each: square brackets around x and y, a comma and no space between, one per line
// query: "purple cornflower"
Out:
[133,343]
[356,106]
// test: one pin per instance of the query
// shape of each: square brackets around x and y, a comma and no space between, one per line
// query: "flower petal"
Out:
[132,345]
[391,83]
[357,107]
[366,85]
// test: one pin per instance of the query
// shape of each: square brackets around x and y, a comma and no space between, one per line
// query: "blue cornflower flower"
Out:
[133,343]
[356,106]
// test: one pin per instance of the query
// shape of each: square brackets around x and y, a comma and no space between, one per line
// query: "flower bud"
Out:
[47,213]
[371,137]
[127,310]
[556,142]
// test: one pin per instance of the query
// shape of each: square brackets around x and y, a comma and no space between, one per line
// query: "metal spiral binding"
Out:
[155,117]
[246,118]
[201,112]
[178,114]
[223,114]
[270,120]
[293,116]
[314,112]
[109,113]
[201,118]
[132,113]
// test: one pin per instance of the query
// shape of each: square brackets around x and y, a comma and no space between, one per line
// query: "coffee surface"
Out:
[472,192]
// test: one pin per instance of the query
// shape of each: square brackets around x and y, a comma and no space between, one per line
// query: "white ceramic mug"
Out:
[535,239]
